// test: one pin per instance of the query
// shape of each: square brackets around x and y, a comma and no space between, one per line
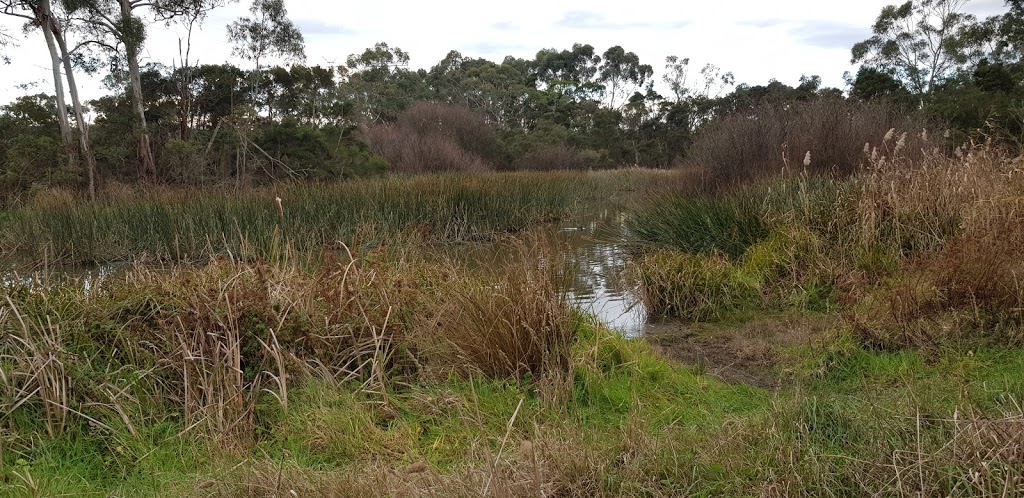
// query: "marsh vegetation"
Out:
[534,278]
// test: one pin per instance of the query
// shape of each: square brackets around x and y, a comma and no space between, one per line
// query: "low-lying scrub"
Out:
[431,137]
[915,250]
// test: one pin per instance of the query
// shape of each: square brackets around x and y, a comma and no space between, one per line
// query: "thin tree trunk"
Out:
[84,144]
[147,166]
[46,20]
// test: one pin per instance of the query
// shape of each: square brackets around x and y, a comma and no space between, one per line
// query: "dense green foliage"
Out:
[571,108]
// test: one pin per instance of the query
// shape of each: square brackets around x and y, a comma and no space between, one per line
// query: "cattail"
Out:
[874,154]
[280,208]
[867,148]
[807,159]
[889,134]
[924,135]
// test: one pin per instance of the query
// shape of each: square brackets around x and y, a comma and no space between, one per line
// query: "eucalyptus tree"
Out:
[269,32]
[119,26]
[381,84]
[1008,33]
[500,91]
[921,42]
[622,75]
[40,14]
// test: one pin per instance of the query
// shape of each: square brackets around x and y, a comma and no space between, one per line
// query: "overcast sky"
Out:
[755,39]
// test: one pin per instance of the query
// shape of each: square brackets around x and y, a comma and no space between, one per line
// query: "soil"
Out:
[758,352]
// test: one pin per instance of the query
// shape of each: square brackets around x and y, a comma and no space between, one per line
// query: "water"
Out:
[88,277]
[591,266]
[598,260]
[593,260]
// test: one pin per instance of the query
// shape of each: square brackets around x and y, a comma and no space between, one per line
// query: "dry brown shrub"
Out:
[556,157]
[434,138]
[761,141]
[469,129]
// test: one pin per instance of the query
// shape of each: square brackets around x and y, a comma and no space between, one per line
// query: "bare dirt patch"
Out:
[756,352]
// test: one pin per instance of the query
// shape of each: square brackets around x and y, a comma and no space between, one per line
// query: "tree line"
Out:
[572,107]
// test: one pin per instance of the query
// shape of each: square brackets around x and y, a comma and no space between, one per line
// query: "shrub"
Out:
[35,160]
[183,162]
[411,153]
[309,152]
[693,287]
[465,127]
[560,157]
[771,137]
[435,138]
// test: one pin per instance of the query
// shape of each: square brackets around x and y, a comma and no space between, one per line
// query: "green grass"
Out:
[701,223]
[626,424]
[190,225]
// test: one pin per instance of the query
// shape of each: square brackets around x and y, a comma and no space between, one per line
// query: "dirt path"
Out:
[756,352]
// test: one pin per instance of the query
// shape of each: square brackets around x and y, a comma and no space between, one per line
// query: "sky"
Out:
[756,40]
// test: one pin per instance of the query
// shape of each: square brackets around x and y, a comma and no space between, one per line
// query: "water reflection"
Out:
[595,260]
[590,262]
[86,277]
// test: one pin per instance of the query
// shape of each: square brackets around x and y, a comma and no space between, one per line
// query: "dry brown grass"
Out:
[519,323]
[38,377]
[954,222]
[205,342]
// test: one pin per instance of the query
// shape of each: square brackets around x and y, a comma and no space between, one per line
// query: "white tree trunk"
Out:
[84,144]
[66,137]
[147,166]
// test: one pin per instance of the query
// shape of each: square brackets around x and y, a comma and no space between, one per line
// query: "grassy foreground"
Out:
[354,370]
[381,379]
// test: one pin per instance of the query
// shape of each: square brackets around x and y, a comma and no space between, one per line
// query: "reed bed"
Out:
[177,224]
[917,249]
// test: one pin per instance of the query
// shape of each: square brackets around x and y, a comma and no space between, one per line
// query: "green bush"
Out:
[725,224]
[34,160]
[694,287]
[308,152]
[183,161]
